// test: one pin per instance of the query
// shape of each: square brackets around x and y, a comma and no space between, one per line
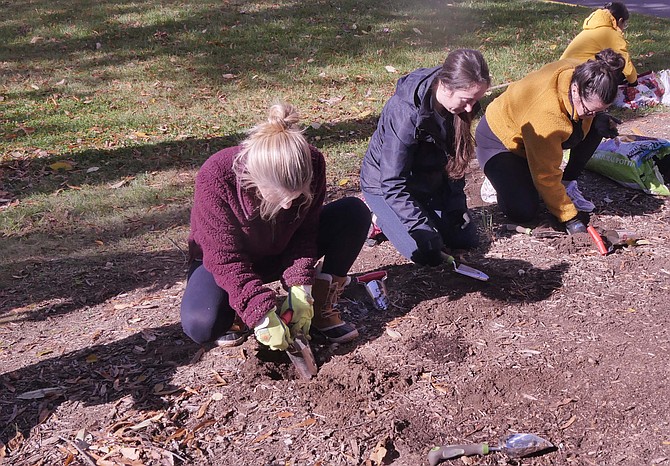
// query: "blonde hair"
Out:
[276,161]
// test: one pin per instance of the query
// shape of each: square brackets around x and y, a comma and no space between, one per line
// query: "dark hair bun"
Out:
[611,59]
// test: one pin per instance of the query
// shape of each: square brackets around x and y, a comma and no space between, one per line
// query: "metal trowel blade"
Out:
[464,269]
[300,354]
[522,445]
[470,272]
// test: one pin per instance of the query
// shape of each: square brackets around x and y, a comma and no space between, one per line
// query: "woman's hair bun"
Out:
[283,115]
[613,60]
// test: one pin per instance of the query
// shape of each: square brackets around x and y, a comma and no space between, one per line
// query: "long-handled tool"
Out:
[464,269]
[514,446]
[299,352]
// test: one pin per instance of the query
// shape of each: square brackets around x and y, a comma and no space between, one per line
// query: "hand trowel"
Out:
[464,269]
[299,352]
[514,446]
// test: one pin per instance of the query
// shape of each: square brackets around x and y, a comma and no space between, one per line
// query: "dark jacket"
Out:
[239,248]
[406,158]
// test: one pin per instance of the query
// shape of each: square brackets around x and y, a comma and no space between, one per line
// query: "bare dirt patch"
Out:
[561,342]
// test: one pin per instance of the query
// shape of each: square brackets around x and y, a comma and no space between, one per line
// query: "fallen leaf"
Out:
[343,182]
[118,184]
[306,423]
[63,165]
[379,452]
[568,423]
[332,100]
[394,334]
[262,437]
[203,409]
[442,388]
[148,335]
[130,453]
[218,378]
[39,393]
[418,31]
[228,76]
[285,414]
[177,434]
[91,358]
[43,415]
[92,169]
[204,424]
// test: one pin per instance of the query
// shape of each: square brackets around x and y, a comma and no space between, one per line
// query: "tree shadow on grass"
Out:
[25,176]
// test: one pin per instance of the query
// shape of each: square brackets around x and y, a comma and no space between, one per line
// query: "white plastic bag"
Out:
[664,80]
[647,93]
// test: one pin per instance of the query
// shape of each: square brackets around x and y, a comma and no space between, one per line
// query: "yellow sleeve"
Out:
[544,155]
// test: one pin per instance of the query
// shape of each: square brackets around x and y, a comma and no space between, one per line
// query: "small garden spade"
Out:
[514,446]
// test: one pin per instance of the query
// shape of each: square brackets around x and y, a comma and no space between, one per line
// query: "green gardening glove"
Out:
[300,300]
[273,332]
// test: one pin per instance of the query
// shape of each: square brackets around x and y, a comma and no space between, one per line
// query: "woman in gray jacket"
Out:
[412,175]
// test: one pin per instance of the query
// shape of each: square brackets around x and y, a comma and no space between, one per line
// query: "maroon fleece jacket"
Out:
[239,248]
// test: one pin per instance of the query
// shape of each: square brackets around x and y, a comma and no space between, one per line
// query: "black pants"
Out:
[343,226]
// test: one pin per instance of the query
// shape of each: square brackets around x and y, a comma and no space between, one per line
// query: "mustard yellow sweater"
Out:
[532,118]
[601,32]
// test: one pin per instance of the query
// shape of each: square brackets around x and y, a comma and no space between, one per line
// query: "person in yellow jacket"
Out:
[521,138]
[603,29]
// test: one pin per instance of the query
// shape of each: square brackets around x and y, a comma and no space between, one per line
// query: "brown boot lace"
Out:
[330,305]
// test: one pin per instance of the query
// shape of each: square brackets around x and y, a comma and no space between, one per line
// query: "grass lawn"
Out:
[107,108]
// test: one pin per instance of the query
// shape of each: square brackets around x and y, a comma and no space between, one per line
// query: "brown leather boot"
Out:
[326,291]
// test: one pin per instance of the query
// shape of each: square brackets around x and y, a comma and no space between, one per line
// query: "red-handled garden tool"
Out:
[375,285]
[514,446]
[299,352]
[598,240]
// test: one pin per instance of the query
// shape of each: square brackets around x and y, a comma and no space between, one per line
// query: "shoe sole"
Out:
[343,339]
[231,343]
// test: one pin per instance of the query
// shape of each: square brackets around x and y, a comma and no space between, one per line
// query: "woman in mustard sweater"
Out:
[603,29]
[520,140]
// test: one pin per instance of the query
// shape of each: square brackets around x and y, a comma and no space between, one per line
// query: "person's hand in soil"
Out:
[429,248]
[273,332]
